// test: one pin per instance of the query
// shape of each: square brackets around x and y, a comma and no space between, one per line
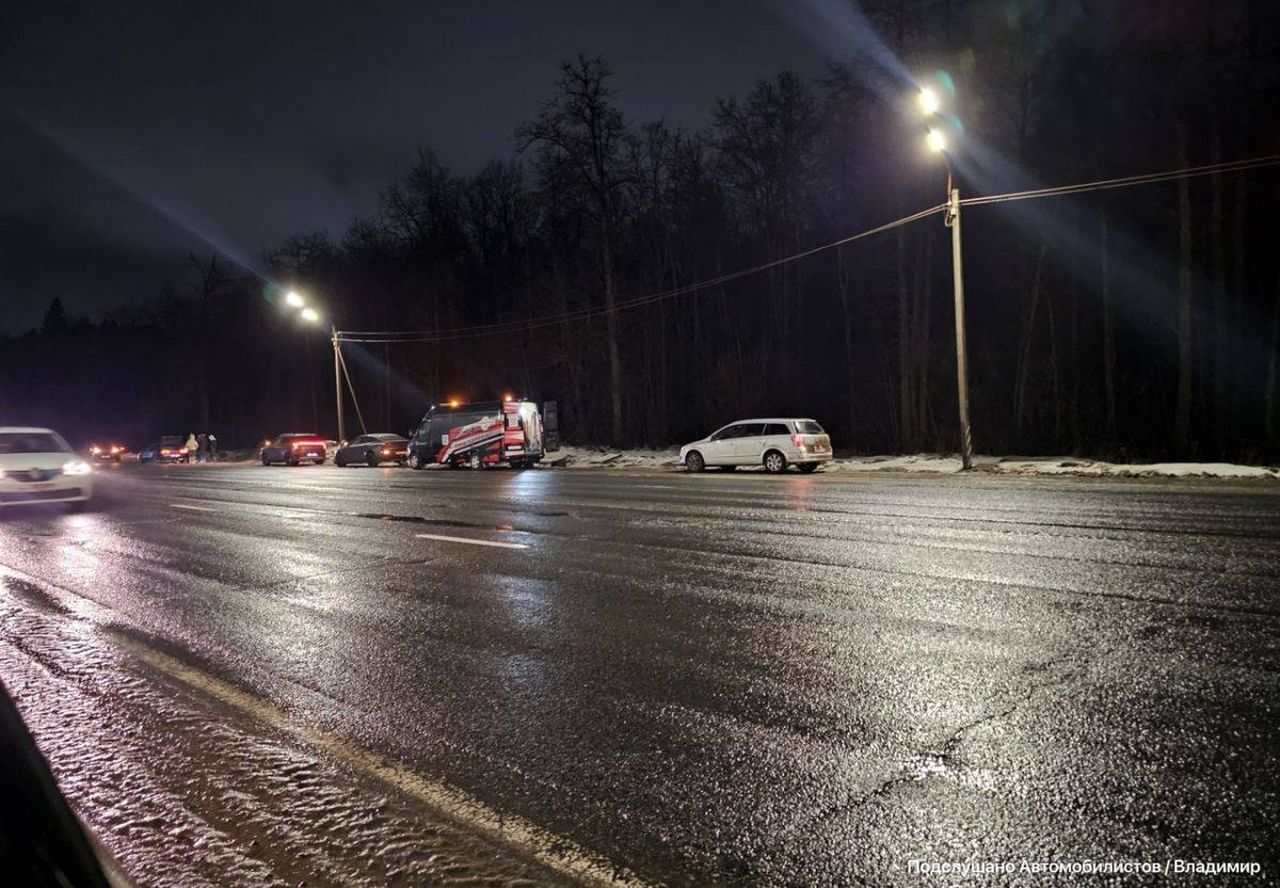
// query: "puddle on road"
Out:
[454,522]
[434,522]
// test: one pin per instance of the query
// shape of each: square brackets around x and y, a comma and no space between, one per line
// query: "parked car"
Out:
[38,466]
[772,443]
[173,448]
[293,449]
[149,452]
[373,450]
[106,452]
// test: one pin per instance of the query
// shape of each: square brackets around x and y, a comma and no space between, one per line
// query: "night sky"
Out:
[132,133]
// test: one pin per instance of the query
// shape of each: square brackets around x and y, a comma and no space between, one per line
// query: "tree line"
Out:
[1138,323]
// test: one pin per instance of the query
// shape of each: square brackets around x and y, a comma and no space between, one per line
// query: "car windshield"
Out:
[809,427]
[32,442]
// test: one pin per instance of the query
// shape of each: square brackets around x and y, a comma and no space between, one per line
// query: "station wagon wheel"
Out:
[694,462]
[774,462]
[475,461]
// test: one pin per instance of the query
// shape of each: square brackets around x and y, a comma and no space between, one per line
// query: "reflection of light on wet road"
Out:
[191,508]
[800,493]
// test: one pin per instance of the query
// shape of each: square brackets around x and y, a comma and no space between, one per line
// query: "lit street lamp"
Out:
[936,139]
[310,315]
[929,102]
[293,299]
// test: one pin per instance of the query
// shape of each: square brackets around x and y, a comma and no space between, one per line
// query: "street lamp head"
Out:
[293,299]
[929,102]
[936,140]
[310,315]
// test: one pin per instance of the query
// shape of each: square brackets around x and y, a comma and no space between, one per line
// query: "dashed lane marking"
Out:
[449,539]
[191,508]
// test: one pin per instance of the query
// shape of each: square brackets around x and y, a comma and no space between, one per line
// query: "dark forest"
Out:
[1138,322]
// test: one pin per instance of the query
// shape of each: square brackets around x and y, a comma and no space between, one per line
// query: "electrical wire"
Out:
[626,304]
[1126,181]
[516,326]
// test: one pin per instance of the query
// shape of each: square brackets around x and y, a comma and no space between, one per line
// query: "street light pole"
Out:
[952,220]
[938,142]
[337,382]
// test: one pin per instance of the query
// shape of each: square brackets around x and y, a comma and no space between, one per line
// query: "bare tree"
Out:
[581,136]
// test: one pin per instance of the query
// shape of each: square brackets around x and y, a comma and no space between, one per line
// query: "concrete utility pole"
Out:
[936,139]
[952,221]
[337,382]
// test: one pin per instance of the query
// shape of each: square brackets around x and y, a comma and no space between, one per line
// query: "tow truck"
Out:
[481,434]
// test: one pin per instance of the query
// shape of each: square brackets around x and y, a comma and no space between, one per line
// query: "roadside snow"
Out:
[935,463]
[588,458]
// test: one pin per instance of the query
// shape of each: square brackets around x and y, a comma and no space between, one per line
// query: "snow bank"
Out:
[934,463]
[590,458]
[1065,466]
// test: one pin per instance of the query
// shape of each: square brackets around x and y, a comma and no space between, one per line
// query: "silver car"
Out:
[772,443]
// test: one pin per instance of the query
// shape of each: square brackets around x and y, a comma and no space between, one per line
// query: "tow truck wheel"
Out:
[415,461]
[475,461]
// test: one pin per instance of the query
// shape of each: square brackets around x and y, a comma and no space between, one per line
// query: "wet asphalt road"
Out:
[723,678]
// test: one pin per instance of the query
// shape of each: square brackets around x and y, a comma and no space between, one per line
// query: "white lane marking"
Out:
[554,851]
[449,539]
[191,508]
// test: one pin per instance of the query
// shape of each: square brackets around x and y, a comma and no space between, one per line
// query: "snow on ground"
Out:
[936,463]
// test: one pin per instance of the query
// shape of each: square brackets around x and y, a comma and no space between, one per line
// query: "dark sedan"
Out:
[374,450]
[292,449]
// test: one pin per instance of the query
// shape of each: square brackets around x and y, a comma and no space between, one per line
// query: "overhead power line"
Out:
[1126,181]
[625,304]
[514,326]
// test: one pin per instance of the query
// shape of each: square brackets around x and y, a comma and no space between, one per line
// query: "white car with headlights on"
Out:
[772,443]
[37,466]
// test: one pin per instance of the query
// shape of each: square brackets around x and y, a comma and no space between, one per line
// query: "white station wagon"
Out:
[772,443]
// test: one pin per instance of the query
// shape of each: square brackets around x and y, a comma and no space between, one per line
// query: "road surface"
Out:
[259,675]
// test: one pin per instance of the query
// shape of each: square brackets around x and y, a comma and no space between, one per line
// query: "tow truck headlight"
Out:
[76,467]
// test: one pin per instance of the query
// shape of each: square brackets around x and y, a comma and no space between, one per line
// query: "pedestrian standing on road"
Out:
[193,447]
[202,447]
[213,447]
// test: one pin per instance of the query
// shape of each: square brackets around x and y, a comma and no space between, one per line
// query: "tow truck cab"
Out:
[484,433]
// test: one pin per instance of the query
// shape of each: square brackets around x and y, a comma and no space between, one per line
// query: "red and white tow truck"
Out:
[486,433]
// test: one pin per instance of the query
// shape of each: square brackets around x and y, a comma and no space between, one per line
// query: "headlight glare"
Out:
[76,467]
